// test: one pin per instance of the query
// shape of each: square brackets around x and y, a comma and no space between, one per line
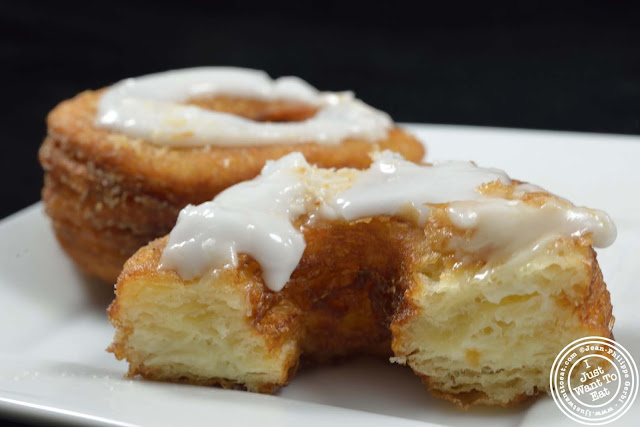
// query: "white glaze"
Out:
[149,107]
[255,217]
[508,226]
[392,183]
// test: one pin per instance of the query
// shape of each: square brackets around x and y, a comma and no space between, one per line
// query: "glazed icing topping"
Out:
[151,107]
[391,182]
[257,217]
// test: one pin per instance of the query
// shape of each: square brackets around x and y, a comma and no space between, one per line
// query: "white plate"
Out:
[54,329]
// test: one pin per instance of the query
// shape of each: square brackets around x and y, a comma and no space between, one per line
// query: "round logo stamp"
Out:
[594,380]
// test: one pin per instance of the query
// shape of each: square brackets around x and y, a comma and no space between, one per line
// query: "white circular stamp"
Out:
[594,380]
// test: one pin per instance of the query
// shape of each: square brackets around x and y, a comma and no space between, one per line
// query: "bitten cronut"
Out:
[377,286]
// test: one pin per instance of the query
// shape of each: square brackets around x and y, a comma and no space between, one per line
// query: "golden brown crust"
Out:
[468,399]
[99,182]
[596,312]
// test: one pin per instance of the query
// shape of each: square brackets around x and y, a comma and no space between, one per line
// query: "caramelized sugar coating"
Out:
[108,194]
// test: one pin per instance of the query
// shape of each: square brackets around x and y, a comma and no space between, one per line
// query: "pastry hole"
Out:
[256,109]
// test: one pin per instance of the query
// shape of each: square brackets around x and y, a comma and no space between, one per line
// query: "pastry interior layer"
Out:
[480,327]
[109,194]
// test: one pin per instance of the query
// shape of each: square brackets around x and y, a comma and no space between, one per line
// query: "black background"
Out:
[567,65]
